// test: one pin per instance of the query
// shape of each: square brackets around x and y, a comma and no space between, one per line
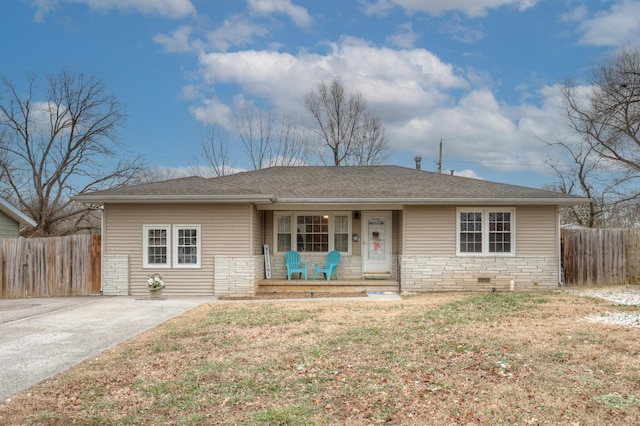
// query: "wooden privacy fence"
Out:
[600,256]
[40,267]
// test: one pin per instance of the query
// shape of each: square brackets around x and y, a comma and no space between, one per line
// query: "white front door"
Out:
[376,243]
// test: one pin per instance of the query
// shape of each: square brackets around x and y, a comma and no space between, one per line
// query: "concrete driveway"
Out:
[45,336]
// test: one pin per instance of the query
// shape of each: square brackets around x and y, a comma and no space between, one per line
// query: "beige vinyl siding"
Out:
[536,231]
[430,230]
[257,231]
[225,230]
[356,227]
[395,232]
[268,231]
[9,228]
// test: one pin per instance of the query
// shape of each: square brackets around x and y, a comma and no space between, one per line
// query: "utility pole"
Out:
[440,160]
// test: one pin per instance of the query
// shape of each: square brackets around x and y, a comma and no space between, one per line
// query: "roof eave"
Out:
[438,201]
[16,214]
[164,199]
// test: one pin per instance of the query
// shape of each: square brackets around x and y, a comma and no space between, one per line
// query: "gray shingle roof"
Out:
[318,184]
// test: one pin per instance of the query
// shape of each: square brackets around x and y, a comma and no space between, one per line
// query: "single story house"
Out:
[12,220]
[428,231]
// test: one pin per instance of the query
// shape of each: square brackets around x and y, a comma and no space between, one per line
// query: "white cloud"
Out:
[42,7]
[173,9]
[401,79]
[467,173]
[235,31]
[576,14]
[405,37]
[376,8]
[179,41]
[298,14]
[212,111]
[471,8]
[617,27]
[462,32]
[419,98]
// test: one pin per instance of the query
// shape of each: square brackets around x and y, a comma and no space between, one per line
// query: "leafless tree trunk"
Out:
[255,128]
[372,145]
[269,140]
[345,126]
[292,147]
[59,144]
[214,148]
[579,178]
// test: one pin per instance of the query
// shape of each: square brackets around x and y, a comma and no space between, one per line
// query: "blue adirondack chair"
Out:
[333,259]
[292,260]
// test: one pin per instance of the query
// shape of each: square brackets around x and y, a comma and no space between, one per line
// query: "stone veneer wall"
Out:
[421,274]
[258,271]
[115,275]
[235,275]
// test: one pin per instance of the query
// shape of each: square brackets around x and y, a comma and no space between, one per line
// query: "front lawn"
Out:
[443,358]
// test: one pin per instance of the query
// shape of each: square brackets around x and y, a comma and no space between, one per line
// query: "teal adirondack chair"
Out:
[292,260]
[333,259]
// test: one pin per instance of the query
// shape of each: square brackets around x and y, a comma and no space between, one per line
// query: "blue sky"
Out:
[481,75]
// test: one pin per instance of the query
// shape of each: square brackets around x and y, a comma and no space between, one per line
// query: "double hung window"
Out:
[187,246]
[486,231]
[156,246]
[165,246]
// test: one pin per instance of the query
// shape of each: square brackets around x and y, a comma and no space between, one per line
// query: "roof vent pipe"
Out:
[417,159]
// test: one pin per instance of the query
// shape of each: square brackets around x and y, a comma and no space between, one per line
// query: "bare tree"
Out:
[345,126]
[579,177]
[608,116]
[372,145]
[292,146]
[270,140]
[214,148]
[255,128]
[57,144]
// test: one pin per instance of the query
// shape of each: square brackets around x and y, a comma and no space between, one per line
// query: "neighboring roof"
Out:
[15,214]
[332,185]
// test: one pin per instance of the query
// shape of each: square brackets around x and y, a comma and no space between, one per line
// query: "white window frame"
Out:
[176,258]
[485,211]
[294,231]
[145,247]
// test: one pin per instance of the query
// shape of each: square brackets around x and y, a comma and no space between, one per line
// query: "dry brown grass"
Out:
[497,358]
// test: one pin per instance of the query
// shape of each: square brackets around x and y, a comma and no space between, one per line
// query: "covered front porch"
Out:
[271,286]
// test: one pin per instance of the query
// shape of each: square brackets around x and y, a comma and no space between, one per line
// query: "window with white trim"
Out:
[341,233]
[187,246]
[156,245]
[485,231]
[315,232]
[284,233]
[164,246]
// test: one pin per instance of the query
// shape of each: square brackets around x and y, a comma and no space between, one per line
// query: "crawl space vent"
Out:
[484,280]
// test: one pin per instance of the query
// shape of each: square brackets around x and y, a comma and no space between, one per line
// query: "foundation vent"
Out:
[484,280]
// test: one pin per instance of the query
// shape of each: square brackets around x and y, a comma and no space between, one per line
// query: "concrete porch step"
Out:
[333,286]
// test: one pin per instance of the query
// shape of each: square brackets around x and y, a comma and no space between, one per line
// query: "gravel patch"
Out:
[626,296]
